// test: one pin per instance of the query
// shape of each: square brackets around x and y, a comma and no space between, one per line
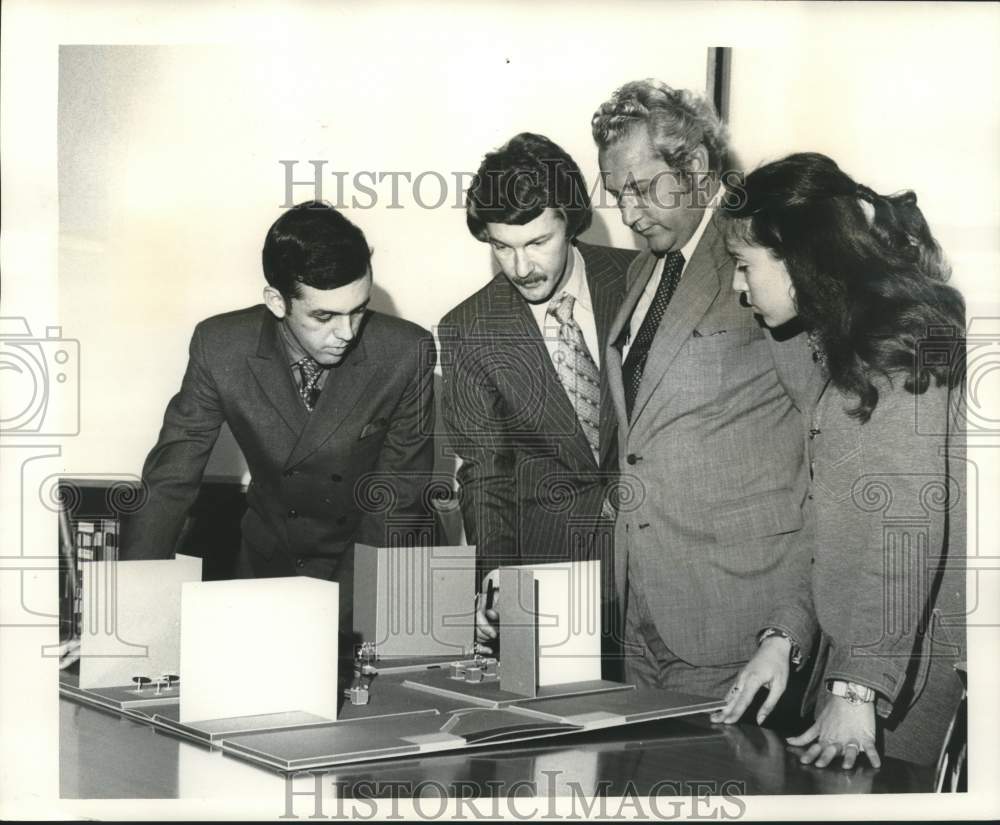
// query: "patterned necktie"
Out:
[577,371]
[635,361]
[310,372]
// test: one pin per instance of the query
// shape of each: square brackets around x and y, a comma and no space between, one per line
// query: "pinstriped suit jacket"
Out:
[715,529]
[530,489]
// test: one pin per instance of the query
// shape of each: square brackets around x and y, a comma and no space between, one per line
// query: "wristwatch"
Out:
[851,691]
[796,654]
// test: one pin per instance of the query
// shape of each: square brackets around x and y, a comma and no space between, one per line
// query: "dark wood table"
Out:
[103,756]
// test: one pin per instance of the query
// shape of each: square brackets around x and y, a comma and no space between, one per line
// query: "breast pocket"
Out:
[368,446]
[375,427]
[710,363]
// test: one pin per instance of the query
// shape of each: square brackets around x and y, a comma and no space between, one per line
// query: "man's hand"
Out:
[842,728]
[487,617]
[768,668]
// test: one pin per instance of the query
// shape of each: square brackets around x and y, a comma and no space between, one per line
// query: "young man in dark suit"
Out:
[526,401]
[330,402]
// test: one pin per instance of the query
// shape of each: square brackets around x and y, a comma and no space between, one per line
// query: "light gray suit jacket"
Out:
[713,518]
[889,572]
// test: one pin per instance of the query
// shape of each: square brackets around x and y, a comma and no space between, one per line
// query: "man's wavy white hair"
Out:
[678,121]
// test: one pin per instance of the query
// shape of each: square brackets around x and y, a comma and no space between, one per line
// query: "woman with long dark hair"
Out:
[862,273]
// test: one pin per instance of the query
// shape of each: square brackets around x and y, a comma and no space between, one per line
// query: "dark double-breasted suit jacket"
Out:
[530,488]
[355,469]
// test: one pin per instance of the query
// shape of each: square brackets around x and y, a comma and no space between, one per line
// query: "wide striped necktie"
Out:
[577,371]
[635,361]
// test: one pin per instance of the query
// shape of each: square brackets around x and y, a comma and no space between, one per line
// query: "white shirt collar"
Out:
[574,286]
[688,249]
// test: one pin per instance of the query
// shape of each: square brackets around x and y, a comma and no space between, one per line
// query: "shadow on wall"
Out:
[381,301]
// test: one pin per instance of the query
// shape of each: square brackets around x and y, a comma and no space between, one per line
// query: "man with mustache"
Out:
[525,396]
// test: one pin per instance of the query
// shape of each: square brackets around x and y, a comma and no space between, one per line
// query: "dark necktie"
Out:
[635,361]
[310,372]
[577,371]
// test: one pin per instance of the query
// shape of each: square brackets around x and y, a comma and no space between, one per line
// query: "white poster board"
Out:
[130,618]
[252,646]
[568,615]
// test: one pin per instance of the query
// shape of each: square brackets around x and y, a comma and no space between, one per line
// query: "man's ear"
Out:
[699,159]
[275,302]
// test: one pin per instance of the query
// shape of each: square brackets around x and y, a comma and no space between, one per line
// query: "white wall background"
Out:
[903,94]
[169,178]
[911,105]
[169,170]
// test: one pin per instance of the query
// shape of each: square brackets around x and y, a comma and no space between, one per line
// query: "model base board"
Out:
[491,695]
[404,719]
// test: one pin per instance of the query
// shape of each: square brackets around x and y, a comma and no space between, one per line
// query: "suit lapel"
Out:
[270,369]
[342,390]
[637,277]
[798,372]
[605,296]
[605,293]
[818,382]
[816,386]
[699,287]
[557,413]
